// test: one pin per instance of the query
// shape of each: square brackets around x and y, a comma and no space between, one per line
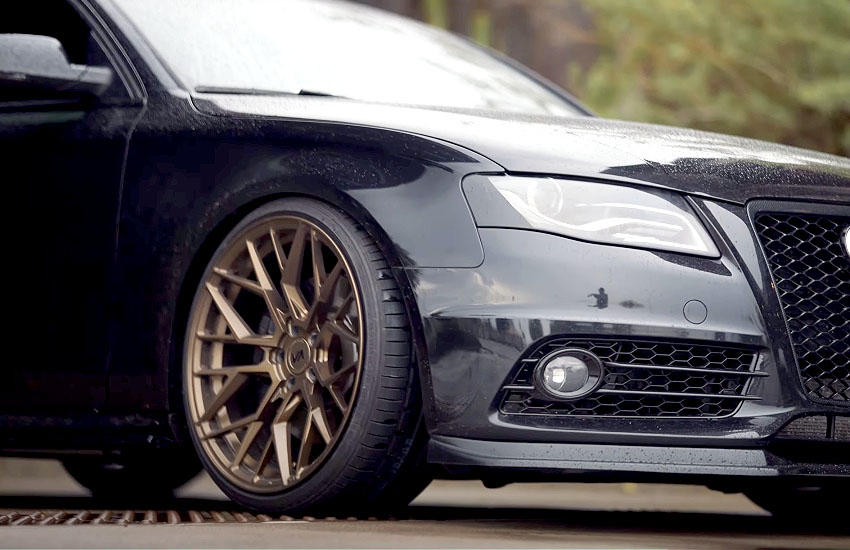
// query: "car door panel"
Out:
[62,160]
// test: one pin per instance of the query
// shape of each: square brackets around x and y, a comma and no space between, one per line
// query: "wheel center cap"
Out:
[298,355]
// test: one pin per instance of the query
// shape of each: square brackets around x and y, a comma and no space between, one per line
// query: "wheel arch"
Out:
[204,252]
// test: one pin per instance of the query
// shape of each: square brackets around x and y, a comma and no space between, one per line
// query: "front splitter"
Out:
[568,458]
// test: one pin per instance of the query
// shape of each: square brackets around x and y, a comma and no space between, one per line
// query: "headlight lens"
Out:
[598,212]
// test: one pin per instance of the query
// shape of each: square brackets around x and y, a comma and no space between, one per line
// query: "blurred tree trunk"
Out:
[409,8]
[514,31]
[460,14]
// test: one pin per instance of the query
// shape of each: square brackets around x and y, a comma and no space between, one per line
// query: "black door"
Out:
[62,155]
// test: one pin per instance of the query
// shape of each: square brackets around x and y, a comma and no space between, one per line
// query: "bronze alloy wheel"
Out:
[274,353]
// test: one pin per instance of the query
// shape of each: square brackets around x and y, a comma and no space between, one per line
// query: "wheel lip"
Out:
[212,459]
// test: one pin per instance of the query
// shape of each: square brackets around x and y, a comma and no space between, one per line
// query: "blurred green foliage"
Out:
[771,69]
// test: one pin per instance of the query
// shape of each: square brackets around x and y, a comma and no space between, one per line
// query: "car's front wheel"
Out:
[299,381]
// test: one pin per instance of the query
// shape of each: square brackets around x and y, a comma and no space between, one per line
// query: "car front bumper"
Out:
[479,323]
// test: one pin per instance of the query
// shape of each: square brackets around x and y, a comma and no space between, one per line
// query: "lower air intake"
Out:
[642,379]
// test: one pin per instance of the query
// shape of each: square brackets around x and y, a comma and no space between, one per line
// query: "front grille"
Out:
[642,379]
[811,271]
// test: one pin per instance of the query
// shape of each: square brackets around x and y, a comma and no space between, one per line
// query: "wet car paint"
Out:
[478,298]
[701,163]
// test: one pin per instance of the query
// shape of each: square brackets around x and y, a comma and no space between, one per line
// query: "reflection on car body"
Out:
[333,253]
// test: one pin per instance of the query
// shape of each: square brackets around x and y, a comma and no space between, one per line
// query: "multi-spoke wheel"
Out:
[298,378]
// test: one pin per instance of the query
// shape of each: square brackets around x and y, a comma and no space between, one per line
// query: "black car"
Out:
[335,253]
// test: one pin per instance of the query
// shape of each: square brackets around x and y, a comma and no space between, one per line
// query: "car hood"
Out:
[702,163]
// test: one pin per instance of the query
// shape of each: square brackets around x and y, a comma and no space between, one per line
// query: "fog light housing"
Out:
[569,374]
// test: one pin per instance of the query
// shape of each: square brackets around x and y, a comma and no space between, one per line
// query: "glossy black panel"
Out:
[117,259]
[633,461]
[713,165]
[191,176]
[62,154]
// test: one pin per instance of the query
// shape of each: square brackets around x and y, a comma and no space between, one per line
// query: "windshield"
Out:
[333,48]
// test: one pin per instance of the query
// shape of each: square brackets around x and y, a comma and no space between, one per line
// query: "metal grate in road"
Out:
[145,517]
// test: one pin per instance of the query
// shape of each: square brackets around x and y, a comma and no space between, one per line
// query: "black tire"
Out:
[378,462]
[820,504]
[134,478]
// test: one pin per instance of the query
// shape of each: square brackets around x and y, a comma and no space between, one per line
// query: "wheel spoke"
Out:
[264,403]
[240,329]
[245,283]
[290,404]
[264,459]
[241,423]
[320,421]
[319,273]
[342,331]
[343,371]
[338,398]
[278,249]
[262,368]
[237,325]
[228,390]
[223,338]
[245,445]
[307,390]
[291,277]
[282,432]
[343,306]
[259,341]
[274,301]
[327,378]
[306,446]
[324,295]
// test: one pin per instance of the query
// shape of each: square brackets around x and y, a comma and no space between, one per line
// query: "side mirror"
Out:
[39,63]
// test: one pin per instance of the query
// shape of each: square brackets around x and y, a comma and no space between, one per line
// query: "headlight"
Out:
[597,212]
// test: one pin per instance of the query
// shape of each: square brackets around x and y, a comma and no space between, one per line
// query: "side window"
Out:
[59,20]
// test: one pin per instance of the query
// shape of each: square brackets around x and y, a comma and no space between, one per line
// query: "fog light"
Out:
[569,373]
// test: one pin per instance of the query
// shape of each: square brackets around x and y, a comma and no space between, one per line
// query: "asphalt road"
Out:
[448,514]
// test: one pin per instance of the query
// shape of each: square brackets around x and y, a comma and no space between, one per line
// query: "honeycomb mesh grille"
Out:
[642,379]
[811,271]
